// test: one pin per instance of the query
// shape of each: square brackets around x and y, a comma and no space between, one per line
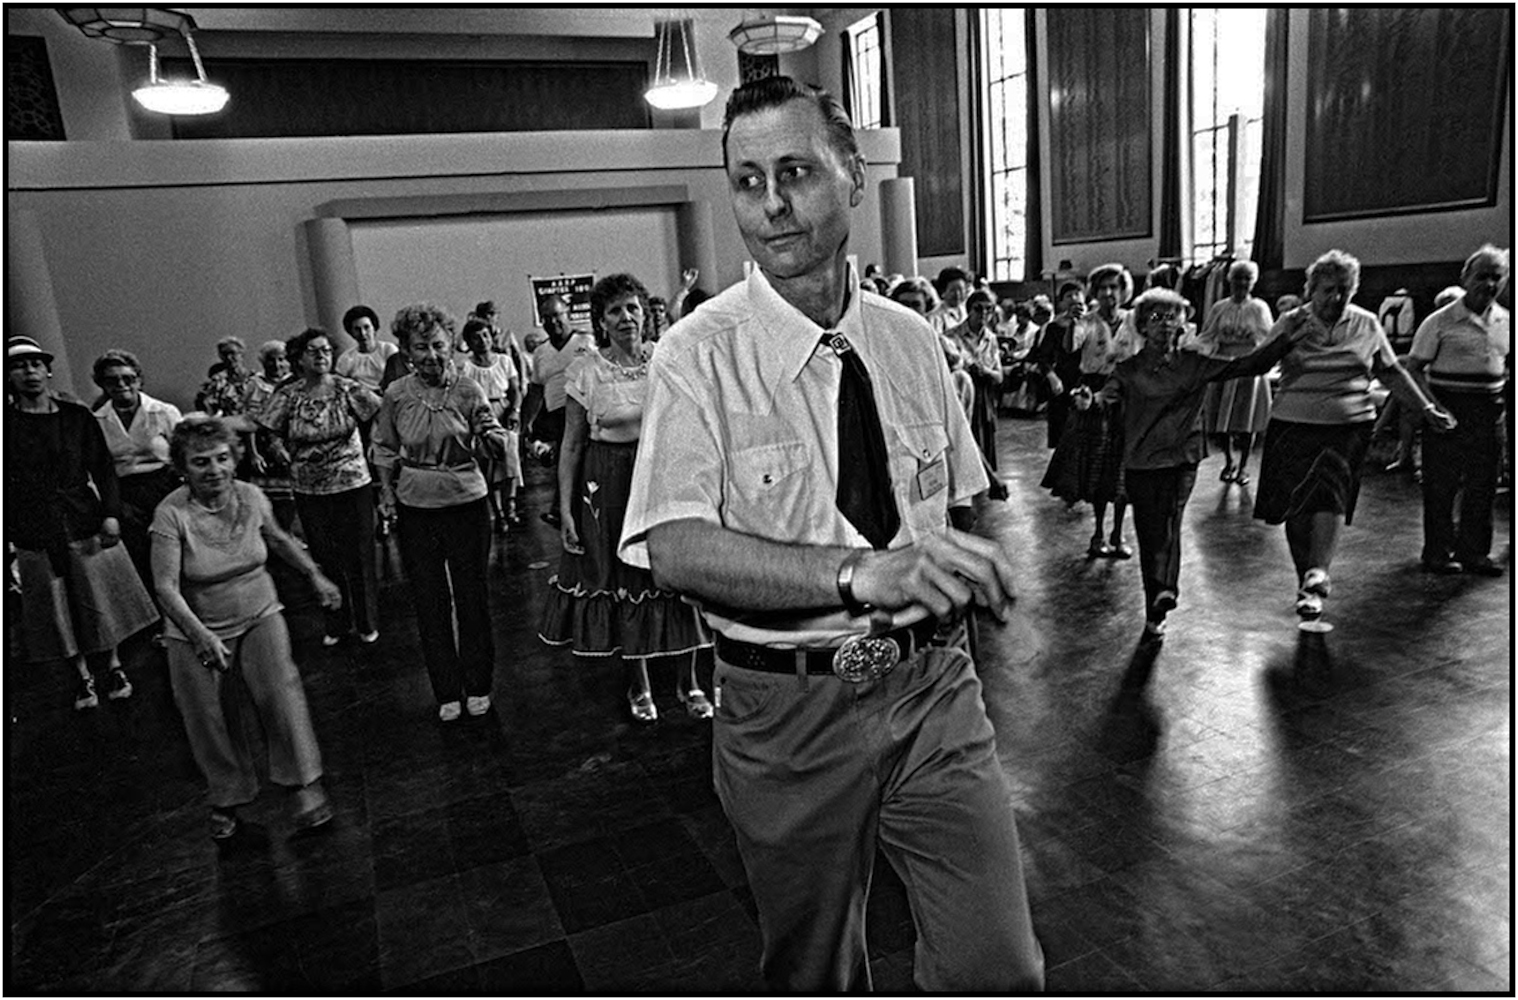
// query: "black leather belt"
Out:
[860,657]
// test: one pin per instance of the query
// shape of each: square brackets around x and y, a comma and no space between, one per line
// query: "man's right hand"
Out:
[943,573]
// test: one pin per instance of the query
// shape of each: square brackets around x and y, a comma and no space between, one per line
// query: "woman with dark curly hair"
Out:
[211,544]
[599,605]
[433,428]
[318,415]
[136,428]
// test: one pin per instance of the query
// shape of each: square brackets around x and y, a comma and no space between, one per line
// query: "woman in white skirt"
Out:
[1239,408]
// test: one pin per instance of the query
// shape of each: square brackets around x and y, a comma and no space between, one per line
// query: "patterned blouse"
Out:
[223,393]
[326,455]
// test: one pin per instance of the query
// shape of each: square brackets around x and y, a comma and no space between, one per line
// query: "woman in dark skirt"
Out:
[599,605]
[1087,464]
[1321,421]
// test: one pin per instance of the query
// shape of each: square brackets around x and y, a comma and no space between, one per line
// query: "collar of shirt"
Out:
[791,338]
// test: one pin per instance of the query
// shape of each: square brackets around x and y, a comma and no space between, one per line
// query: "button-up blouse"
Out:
[430,434]
[144,446]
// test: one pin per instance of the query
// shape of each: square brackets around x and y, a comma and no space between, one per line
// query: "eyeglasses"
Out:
[319,350]
[119,380]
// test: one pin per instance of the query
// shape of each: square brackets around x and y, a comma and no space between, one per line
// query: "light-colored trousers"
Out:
[813,779]
[218,738]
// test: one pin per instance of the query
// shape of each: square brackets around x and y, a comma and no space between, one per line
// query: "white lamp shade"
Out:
[682,94]
[775,33]
[182,97]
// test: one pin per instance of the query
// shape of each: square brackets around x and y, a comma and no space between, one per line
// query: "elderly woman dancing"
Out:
[136,428]
[211,541]
[599,605]
[431,430]
[1322,419]
[1237,408]
[80,597]
[318,415]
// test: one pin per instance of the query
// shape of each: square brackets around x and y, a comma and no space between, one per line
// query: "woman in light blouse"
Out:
[270,460]
[1321,421]
[598,605]
[1087,463]
[980,356]
[431,427]
[318,415]
[500,380]
[136,428]
[1237,408]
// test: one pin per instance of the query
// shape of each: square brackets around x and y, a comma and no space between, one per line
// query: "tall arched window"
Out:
[1004,58]
[1227,103]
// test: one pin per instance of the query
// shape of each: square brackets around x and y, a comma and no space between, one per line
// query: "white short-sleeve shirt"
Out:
[740,430]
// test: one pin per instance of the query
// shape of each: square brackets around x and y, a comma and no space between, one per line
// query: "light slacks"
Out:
[218,739]
[813,779]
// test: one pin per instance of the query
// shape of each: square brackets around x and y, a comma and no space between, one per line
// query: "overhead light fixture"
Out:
[678,80]
[180,97]
[149,26]
[771,34]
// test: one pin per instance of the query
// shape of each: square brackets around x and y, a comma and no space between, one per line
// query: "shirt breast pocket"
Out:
[920,470]
[770,489]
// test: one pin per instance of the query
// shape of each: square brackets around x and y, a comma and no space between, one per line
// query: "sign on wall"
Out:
[574,287]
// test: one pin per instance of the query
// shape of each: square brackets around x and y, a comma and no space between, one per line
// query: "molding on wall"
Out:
[51,166]
[432,206]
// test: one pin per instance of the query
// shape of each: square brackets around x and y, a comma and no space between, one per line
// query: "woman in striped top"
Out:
[1322,418]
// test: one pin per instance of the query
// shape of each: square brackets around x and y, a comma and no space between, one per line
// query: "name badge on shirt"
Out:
[932,477]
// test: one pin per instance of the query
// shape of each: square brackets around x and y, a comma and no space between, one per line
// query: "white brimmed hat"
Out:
[17,348]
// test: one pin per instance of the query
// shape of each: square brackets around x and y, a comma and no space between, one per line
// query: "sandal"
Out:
[1227,474]
[642,707]
[1117,550]
[1242,478]
[222,823]
[697,705]
[1098,549]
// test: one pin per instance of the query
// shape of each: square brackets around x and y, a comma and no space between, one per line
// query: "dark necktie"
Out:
[864,470]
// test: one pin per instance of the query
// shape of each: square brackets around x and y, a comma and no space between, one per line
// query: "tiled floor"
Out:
[1253,809]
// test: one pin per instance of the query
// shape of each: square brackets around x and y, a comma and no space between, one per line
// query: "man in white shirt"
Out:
[544,408]
[849,714]
[1462,358]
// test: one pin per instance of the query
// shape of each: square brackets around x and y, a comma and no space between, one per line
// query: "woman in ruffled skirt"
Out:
[599,605]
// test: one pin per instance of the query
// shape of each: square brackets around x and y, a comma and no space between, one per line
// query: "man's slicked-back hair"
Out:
[775,91]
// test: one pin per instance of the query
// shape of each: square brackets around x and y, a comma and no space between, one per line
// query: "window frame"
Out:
[994,253]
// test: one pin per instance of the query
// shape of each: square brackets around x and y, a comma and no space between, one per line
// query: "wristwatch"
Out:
[851,604]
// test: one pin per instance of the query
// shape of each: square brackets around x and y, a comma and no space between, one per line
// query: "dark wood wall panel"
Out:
[1404,109]
[927,109]
[322,97]
[1100,137]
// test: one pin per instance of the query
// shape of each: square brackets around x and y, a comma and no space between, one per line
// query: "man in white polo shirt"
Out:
[802,453]
[550,362]
[1462,358]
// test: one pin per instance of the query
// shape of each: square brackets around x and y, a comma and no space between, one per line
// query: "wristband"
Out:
[846,584]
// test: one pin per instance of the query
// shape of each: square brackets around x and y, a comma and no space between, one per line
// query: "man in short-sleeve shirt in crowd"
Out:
[1462,356]
[849,712]
[550,362]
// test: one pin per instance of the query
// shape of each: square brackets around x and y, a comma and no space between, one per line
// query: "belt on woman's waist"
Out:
[859,658]
[411,463]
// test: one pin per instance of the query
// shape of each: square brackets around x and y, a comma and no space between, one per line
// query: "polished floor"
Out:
[1251,808]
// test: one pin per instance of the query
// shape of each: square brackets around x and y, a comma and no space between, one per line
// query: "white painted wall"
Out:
[457,262]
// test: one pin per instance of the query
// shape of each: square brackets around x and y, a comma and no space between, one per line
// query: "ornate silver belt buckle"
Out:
[865,658]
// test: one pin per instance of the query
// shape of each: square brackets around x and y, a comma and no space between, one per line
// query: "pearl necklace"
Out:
[423,389]
[626,373]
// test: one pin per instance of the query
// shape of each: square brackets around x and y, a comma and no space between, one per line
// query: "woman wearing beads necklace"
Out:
[598,605]
[432,427]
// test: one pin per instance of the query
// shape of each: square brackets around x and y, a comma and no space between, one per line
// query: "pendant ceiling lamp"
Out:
[678,80]
[771,34]
[149,26]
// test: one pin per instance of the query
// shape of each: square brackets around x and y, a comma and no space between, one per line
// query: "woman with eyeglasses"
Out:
[136,428]
[318,414]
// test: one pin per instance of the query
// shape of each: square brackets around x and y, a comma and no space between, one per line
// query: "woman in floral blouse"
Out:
[318,415]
